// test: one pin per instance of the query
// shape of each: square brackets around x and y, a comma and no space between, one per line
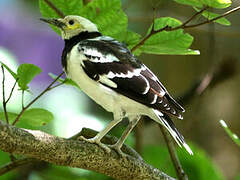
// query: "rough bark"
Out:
[74,153]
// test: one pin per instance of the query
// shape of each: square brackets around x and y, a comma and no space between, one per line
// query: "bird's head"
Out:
[72,25]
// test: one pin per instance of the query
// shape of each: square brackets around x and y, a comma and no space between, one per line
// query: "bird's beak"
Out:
[56,22]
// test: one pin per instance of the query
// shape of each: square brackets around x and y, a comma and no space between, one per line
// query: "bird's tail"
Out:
[169,125]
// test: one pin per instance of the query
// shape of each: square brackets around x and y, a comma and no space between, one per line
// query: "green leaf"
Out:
[26,73]
[68,7]
[33,117]
[197,167]
[211,15]
[107,15]
[234,137]
[220,4]
[194,3]
[131,39]
[173,42]
[14,75]
[65,81]
[211,3]
[37,116]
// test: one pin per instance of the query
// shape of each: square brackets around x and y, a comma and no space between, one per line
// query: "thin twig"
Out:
[3,95]
[183,26]
[173,154]
[36,98]
[58,11]
[22,99]
[195,15]
[10,95]
[58,85]
[214,19]
[15,164]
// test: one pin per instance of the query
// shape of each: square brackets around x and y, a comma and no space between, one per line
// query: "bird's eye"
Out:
[71,22]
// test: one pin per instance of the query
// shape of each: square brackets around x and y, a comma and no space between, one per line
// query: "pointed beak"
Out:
[53,21]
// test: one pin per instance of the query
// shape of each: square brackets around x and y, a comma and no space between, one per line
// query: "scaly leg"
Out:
[97,139]
[118,145]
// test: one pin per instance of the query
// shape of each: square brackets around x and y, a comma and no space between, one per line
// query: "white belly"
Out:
[104,96]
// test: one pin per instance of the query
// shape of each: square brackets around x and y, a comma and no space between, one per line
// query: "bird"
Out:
[110,74]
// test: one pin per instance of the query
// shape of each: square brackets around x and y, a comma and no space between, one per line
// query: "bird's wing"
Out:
[113,65]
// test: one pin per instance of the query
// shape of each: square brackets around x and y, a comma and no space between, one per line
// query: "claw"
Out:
[117,148]
[95,140]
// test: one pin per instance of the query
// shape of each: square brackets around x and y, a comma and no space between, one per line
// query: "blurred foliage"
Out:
[197,167]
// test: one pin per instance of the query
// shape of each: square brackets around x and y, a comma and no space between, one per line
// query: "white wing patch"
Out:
[104,79]
[129,74]
[95,56]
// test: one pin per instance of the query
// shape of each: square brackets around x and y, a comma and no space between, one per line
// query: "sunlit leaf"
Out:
[217,3]
[211,3]
[194,3]
[173,42]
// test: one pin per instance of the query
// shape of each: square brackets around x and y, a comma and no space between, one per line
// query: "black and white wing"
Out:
[112,64]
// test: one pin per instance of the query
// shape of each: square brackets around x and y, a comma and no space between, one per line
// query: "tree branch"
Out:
[184,25]
[74,153]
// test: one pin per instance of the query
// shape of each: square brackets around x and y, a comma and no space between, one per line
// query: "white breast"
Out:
[104,96]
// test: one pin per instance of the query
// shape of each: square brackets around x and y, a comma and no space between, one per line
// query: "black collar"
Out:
[69,43]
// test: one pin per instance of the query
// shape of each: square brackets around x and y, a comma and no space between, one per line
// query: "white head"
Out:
[72,25]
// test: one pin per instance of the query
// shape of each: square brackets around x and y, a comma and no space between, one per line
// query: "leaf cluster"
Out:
[112,21]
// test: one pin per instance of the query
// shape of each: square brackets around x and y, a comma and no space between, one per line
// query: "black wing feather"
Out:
[141,85]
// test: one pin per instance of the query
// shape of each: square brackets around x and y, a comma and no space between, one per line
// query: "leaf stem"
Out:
[36,98]
[3,96]
[184,25]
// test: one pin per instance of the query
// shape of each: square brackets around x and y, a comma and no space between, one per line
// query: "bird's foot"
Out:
[117,148]
[95,140]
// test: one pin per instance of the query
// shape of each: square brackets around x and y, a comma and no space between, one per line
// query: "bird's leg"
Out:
[101,134]
[118,145]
